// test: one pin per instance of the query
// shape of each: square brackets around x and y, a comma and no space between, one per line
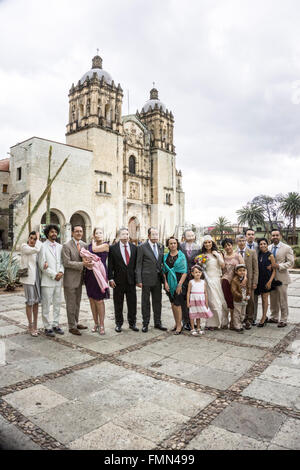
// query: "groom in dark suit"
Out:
[149,278]
[121,275]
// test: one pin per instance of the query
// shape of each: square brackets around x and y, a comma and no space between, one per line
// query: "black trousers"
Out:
[119,292]
[155,292]
[184,309]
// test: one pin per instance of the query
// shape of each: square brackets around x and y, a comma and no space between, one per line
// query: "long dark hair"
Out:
[213,247]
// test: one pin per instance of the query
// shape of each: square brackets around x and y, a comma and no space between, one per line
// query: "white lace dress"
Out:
[216,299]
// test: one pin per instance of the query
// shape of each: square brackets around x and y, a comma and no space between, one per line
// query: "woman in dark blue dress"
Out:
[266,274]
[96,297]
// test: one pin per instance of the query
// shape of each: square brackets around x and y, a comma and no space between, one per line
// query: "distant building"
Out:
[121,170]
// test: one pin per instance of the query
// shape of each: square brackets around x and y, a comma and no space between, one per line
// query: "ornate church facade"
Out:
[121,170]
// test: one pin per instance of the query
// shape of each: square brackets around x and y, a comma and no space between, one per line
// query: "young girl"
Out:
[197,301]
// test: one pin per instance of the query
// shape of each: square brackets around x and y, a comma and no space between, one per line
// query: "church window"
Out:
[132,164]
[19,174]
[100,186]
[4,190]
[104,187]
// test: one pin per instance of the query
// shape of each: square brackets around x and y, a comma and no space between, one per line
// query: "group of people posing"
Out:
[207,288]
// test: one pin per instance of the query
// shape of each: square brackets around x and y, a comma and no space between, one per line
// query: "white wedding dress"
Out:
[216,299]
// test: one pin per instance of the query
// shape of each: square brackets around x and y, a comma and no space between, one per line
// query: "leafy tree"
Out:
[251,215]
[271,207]
[220,226]
[290,207]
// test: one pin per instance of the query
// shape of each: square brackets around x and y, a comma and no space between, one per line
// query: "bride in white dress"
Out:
[216,300]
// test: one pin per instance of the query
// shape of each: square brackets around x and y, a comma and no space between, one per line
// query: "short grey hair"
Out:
[240,236]
[121,230]
[188,230]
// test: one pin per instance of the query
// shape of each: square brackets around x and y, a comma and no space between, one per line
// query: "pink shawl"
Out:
[98,268]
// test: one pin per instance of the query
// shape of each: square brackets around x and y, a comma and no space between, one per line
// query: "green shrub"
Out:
[296,249]
[297,263]
[8,274]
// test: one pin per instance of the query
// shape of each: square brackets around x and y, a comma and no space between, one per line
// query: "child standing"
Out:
[240,296]
[197,301]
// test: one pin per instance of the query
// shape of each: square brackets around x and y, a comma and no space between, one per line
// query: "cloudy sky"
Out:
[228,69]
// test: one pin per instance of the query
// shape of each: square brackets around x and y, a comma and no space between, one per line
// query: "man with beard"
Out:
[50,263]
[190,249]
[284,258]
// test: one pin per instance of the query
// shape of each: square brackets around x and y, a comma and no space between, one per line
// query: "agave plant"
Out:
[8,271]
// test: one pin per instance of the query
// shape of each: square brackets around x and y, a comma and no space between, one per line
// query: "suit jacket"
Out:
[148,268]
[190,259]
[55,264]
[285,259]
[236,289]
[118,271]
[73,264]
[251,262]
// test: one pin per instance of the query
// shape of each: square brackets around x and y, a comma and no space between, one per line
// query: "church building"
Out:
[121,170]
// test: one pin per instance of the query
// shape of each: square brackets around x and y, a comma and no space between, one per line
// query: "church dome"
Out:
[153,101]
[97,67]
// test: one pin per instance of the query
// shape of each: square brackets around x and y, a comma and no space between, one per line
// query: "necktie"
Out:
[78,247]
[155,250]
[275,248]
[126,254]
[251,246]
[242,253]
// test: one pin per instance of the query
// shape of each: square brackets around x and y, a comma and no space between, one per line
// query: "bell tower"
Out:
[95,101]
[159,121]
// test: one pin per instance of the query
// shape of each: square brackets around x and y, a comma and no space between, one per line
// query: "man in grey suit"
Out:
[73,278]
[149,278]
[252,245]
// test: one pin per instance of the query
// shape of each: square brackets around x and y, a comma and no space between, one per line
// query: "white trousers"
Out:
[51,295]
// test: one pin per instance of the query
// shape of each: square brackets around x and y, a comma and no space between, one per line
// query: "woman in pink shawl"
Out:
[96,279]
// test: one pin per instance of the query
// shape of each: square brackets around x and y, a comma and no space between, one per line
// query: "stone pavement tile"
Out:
[192,356]
[139,387]
[29,342]
[251,354]
[272,392]
[276,447]
[286,360]
[105,346]
[4,322]
[12,438]
[10,330]
[258,341]
[175,368]
[38,366]
[147,421]
[33,400]
[284,375]
[294,301]
[163,348]
[272,331]
[184,401]
[74,386]
[214,438]
[294,346]
[231,364]
[111,437]
[141,357]
[104,373]
[10,375]
[214,378]
[70,358]
[15,352]
[257,423]
[71,420]
[289,434]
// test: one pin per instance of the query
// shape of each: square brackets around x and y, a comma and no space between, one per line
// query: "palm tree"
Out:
[290,207]
[220,226]
[251,215]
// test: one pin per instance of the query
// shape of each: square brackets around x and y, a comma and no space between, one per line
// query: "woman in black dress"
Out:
[266,274]
[96,297]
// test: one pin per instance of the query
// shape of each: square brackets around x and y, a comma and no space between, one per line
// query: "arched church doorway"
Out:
[81,218]
[134,230]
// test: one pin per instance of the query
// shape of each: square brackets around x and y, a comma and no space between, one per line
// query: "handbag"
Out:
[276,283]
[22,272]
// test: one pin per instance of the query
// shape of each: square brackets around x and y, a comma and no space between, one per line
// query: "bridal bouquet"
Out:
[201,260]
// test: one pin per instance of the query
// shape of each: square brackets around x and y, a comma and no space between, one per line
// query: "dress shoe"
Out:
[160,327]
[145,329]
[134,328]
[254,323]
[74,331]
[272,321]
[281,324]
[247,325]
[58,330]
[118,329]
[81,327]
[49,333]
[186,327]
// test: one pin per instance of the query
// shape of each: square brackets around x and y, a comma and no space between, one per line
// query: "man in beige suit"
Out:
[251,263]
[284,258]
[73,278]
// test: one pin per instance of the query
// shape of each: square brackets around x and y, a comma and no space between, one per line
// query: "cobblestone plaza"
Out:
[223,390]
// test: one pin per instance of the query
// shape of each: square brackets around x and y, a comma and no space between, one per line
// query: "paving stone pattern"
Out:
[222,390]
